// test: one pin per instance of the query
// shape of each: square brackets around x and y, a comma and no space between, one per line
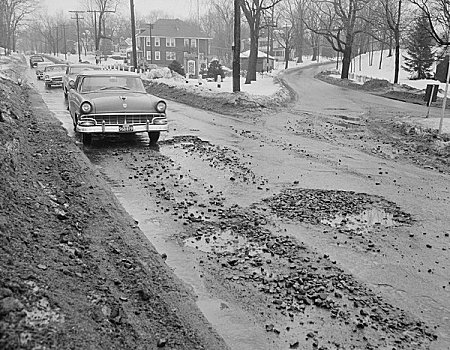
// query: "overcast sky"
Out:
[176,8]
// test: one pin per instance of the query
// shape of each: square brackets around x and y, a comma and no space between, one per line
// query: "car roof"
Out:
[108,73]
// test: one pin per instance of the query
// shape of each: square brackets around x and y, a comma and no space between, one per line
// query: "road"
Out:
[213,195]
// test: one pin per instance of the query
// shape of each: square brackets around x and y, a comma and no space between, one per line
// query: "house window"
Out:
[186,42]
[147,41]
[171,56]
[157,41]
[170,42]
[193,43]
[157,56]
[149,55]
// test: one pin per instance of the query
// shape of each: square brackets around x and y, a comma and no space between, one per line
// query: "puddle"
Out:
[362,222]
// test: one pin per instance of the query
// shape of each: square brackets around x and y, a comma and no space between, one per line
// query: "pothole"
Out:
[353,210]
[363,221]
[220,241]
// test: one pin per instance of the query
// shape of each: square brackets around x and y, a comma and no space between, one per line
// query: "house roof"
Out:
[261,54]
[174,28]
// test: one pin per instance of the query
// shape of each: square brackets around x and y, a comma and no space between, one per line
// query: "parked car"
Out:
[72,71]
[114,102]
[40,69]
[53,74]
[34,59]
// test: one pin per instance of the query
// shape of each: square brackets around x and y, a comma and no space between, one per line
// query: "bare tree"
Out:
[218,24]
[253,10]
[438,15]
[99,10]
[12,14]
[339,22]
[285,39]
[392,10]
[295,11]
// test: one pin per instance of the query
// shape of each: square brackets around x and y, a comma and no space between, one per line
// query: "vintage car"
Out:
[40,69]
[34,59]
[103,102]
[72,71]
[53,74]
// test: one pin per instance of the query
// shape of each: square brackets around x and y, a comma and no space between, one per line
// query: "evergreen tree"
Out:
[419,48]
[177,67]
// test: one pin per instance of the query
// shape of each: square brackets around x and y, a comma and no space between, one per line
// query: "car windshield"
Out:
[112,83]
[54,68]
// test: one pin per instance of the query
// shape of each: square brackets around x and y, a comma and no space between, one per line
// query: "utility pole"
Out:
[237,47]
[150,26]
[197,68]
[133,35]
[77,17]
[57,39]
[95,28]
[65,42]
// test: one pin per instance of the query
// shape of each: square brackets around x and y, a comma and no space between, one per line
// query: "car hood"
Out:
[126,102]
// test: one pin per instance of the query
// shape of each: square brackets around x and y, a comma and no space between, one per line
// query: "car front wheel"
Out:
[154,137]
[75,122]
[86,139]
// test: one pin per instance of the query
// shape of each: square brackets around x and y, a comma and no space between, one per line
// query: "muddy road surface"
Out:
[306,227]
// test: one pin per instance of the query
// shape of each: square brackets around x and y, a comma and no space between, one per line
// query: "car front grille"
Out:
[120,119]
[57,79]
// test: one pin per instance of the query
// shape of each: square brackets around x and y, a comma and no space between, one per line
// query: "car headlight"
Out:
[86,107]
[161,106]
[47,77]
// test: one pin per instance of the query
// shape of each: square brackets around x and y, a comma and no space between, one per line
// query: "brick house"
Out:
[172,39]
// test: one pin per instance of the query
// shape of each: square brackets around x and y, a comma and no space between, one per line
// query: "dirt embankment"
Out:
[75,270]
[383,88]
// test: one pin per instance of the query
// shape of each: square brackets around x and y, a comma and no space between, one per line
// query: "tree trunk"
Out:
[252,59]
[237,47]
[397,43]
[397,57]
[346,61]
[390,45]
[382,49]
[300,40]
[314,53]
[286,57]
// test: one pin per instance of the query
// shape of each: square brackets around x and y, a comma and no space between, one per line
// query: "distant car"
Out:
[72,71]
[40,69]
[34,59]
[53,74]
[114,102]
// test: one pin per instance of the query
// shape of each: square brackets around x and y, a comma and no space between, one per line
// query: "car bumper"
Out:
[122,129]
